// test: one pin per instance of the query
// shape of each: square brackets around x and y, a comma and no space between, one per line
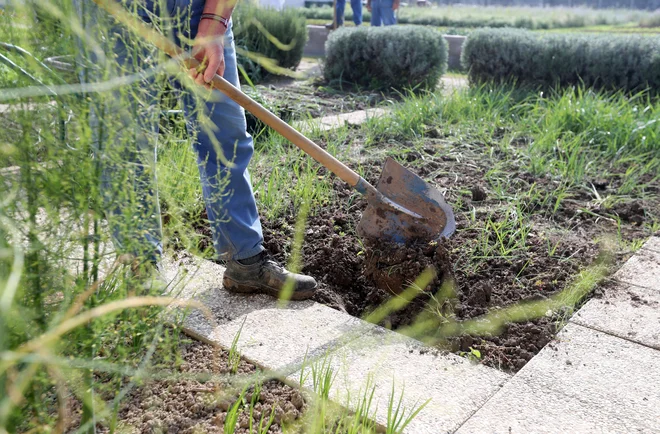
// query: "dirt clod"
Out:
[632,212]
[601,183]
[478,193]
[394,267]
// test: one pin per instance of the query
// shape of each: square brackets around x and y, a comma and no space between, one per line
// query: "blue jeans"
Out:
[382,13]
[356,5]
[227,190]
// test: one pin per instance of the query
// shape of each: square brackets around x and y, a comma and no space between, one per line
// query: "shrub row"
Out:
[397,57]
[650,21]
[473,22]
[325,13]
[277,35]
[438,18]
[609,62]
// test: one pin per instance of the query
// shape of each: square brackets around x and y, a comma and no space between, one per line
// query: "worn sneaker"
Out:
[265,276]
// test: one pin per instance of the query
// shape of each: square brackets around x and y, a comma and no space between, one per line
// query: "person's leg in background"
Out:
[375,13]
[356,5]
[340,7]
[387,12]
[124,130]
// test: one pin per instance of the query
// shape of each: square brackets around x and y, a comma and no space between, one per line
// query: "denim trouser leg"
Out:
[375,13]
[341,7]
[387,13]
[382,12]
[124,127]
[131,165]
[356,5]
[228,194]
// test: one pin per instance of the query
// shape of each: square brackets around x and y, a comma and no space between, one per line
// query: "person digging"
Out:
[227,190]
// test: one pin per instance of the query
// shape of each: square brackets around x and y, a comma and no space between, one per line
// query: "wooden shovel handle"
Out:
[286,130]
[290,133]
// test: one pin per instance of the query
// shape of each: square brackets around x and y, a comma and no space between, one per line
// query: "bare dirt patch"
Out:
[196,395]
[194,405]
[353,281]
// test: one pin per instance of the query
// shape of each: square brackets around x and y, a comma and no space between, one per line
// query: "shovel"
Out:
[402,208]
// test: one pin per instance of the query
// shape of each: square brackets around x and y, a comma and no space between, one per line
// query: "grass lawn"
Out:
[461,20]
[632,28]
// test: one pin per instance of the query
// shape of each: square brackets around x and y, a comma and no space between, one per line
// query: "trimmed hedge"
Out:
[609,62]
[650,21]
[325,13]
[287,26]
[393,57]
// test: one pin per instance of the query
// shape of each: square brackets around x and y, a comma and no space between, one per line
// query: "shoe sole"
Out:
[241,288]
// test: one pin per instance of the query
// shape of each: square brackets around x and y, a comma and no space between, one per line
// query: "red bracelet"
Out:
[217,18]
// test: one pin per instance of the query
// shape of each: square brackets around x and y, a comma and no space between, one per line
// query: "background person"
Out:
[382,12]
[340,7]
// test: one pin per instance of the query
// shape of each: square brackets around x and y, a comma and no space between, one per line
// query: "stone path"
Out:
[452,83]
[599,374]
[585,381]
[335,121]
[7,108]
[449,85]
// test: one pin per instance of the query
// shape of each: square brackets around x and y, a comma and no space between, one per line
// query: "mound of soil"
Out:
[394,267]
[357,279]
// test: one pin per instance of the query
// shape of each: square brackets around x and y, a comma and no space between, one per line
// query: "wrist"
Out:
[208,27]
[215,21]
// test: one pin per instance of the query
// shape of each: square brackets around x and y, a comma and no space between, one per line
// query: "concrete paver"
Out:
[452,84]
[629,312]
[316,38]
[653,244]
[455,48]
[7,108]
[270,335]
[643,269]
[587,381]
[335,121]
[280,338]
[395,365]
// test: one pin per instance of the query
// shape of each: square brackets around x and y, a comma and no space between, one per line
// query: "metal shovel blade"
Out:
[408,210]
